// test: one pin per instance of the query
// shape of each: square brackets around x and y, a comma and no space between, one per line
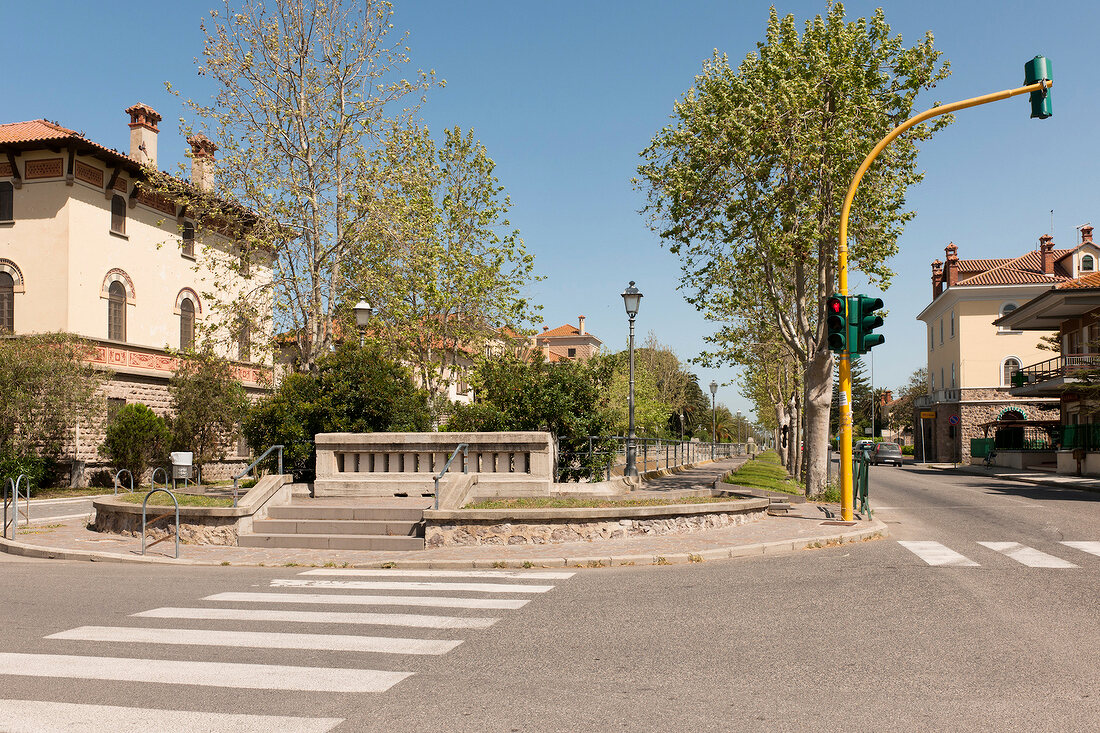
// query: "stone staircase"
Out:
[326,526]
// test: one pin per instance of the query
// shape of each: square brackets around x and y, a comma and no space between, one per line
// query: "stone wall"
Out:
[193,530]
[975,407]
[550,531]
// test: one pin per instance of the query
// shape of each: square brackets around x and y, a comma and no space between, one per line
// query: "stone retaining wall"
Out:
[458,532]
[193,530]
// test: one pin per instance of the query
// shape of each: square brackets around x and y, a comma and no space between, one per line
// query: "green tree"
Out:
[136,439]
[439,260]
[303,92]
[46,390]
[651,414]
[354,390]
[208,404]
[901,409]
[746,183]
[568,399]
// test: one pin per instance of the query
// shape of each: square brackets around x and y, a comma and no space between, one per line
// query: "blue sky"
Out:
[565,94]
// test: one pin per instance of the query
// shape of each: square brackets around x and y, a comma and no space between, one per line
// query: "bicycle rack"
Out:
[153,481]
[14,502]
[119,483]
[159,517]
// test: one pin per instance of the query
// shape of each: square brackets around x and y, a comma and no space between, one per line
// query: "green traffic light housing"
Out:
[1036,70]
[836,322]
[863,309]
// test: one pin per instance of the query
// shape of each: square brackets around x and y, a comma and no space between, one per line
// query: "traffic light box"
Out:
[1036,70]
[836,322]
[862,310]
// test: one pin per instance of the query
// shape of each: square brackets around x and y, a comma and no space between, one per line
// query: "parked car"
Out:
[864,445]
[886,453]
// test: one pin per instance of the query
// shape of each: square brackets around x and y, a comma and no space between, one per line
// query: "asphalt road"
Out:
[865,637]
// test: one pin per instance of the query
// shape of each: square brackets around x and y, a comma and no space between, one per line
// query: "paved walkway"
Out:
[803,527]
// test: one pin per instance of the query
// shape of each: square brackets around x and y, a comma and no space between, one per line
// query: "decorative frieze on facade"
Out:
[47,168]
[156,201]
[121,184]
[5,170]
[119,357]
[89,174]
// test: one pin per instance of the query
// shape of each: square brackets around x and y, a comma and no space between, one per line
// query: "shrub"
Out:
[208,404]
[136,438]
[104,478]
[355,390]
[907,450]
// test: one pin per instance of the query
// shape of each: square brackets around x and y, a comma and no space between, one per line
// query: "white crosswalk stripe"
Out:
[347,599]
[935,553]
[412,585]
[1028,555]
[258,639]
[216,674]
[322,617]
[517,574]
[1093,548]
[33,716]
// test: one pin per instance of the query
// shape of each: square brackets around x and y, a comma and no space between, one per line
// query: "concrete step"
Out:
[358,512]
[331,541]
[335,526]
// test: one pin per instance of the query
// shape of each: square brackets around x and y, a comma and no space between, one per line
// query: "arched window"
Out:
[1088,264]
[187,324]
[7,303]
[244,339]
[188,239]
[116,312]
[118,215]
[1005,310]
[1009,367]
[7,201]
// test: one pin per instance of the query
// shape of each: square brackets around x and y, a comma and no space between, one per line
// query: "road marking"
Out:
[259,639]
[1093,548]
[214,674]
[322,617]
[360,600]
[934,553]
[30,716]
[521,574]
[1028,555]
[412,585]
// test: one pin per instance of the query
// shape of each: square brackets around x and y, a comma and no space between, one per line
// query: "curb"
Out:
[875,530]
[1025,480]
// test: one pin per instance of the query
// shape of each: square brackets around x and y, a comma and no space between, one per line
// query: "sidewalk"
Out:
[1040,478]
[804,527]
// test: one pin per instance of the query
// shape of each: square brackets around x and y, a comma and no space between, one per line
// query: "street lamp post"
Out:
[713,418]
[739,448]
[363,312]
[632,298]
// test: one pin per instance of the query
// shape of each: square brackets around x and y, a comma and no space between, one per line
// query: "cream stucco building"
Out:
[84,250]
[971,362]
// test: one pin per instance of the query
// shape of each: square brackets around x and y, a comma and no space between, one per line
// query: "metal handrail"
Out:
[254,463]
[14,484]
[162,516]
[117,482]
[465,448]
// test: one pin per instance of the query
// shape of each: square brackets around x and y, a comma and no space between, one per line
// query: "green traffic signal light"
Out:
[1036,70]
[836,322]
[863,309]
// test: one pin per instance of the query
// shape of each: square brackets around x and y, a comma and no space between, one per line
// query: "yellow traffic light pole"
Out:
[842,267]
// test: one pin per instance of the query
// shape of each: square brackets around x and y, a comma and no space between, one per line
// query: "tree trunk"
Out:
[818,400]
[794,438]
[782,417]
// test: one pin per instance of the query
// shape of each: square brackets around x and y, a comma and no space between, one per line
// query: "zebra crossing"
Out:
[939,555]
[480,596]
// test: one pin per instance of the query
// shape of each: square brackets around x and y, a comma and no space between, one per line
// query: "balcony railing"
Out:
[1066,366]
[940,395]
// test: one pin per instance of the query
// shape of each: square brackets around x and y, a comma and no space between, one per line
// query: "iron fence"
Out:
[605,456]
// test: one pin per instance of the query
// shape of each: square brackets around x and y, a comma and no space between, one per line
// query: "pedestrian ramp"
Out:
[379,620]
[940,555]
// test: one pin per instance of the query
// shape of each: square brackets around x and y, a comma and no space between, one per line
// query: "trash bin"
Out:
[182,465]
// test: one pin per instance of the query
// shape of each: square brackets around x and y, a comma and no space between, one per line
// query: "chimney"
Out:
[1046,251]
[202,161]
[580,327]
[1086,234]
[952,264]
[887,397]
[546,350]
[937,279]
[143,133]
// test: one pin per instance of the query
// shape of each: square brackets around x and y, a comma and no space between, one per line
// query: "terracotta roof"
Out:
[567,330]
[982,265]
[1023,270]
[1092,280]
[37,131]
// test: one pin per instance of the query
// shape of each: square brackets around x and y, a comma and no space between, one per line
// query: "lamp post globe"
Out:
[632,299]
[363,312]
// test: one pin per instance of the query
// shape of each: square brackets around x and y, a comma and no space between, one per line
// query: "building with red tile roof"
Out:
[567,342]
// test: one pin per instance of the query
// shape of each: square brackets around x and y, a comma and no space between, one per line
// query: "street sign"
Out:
[867,431]
[928,414]
[953,420]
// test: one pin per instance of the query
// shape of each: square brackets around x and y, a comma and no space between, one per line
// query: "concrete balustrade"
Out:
[396,464]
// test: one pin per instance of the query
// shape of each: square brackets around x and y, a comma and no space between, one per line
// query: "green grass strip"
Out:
[570,502]
[162,499]
[766,472]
